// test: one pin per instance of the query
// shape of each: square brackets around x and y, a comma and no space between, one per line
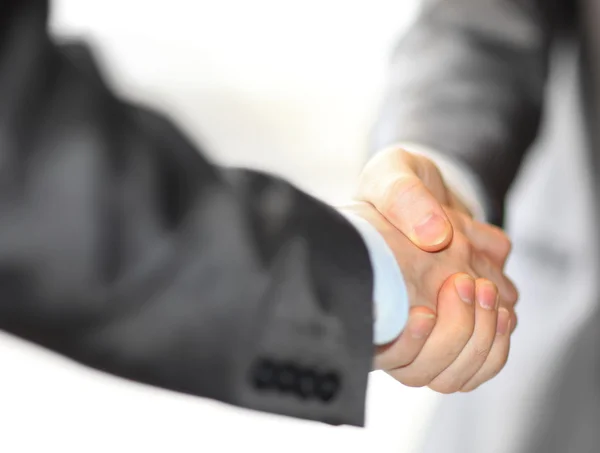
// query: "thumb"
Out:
[392,182]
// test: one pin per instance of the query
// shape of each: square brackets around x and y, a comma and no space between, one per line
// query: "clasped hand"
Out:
[462,305]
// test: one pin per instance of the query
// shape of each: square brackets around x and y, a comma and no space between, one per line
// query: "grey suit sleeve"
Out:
[468,80]
[125,249]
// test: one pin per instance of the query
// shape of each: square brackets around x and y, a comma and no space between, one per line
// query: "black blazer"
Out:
[124,248]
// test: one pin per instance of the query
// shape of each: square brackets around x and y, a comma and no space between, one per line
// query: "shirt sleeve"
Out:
[390,296]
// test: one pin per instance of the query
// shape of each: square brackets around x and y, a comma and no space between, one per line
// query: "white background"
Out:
[290,86]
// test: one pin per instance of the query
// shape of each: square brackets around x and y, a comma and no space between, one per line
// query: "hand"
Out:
[457,336]
[409,191]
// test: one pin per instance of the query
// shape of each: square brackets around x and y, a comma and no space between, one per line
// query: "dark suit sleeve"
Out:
[468,80]
[123,248]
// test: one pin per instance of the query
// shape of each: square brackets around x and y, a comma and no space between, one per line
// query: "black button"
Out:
[305,385]
[287,376]
[328,386]
[264,374]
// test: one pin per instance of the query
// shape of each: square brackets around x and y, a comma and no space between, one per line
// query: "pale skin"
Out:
[462,305]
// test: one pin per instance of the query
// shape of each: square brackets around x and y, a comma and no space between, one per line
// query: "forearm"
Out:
[123,248]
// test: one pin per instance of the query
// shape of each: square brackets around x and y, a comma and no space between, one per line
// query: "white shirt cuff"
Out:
[390,296]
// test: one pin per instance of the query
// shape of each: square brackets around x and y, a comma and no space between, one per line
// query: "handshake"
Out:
[461,304]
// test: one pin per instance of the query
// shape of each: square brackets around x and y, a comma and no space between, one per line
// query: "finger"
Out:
[491,240]
[475,353]
[452,331]
[498,355]
[488,239]
[391,183]
[421,321]
[487,269]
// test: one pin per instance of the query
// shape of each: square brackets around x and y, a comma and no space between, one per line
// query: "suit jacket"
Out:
[469,80]
[124,248]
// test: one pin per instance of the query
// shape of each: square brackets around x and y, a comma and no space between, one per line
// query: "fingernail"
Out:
[503,321]
[465,287]
[420,325]
[433,230]
[487,296]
